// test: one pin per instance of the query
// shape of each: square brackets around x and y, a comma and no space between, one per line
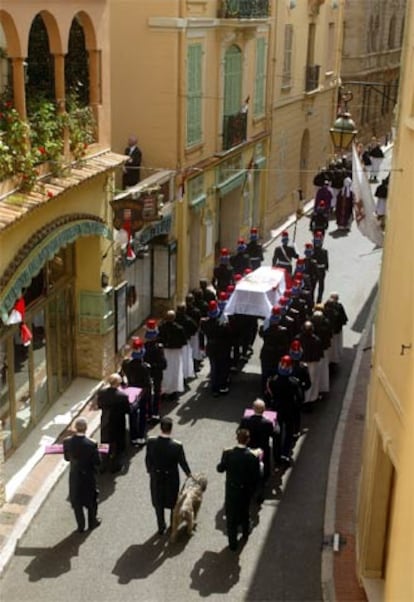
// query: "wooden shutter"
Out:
[194,94]
[259,94]
[232,81]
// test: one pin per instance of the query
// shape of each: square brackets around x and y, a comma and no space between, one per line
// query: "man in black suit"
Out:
[131,175]
[242,470]
[83,455]
[164,456]
[114,405]
[261,431]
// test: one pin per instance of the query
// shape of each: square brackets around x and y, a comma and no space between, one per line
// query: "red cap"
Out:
[212,305]
[308,245]
[299,277]
[237,277]
[230,288]
[241,241]
[224,251]
[286,360]
[151,324]
[300,260]
[223,296]
[247,271]
[322,204]
[285,234]
[288,293]
[318,234]
[253,230]
[283,300]
[296,345]
[275,310]
[137,343]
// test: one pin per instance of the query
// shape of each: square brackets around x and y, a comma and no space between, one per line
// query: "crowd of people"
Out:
[301,340]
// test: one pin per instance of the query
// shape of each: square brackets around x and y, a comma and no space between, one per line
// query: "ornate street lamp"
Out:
[344,129]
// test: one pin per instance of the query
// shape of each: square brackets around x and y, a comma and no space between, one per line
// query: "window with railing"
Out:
[234,116]
[244,9]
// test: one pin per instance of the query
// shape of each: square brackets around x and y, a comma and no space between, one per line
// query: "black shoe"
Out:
[81,529]
[162,530]
[96,523]
[233,546]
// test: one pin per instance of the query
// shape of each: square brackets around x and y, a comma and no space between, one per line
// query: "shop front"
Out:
[32,376]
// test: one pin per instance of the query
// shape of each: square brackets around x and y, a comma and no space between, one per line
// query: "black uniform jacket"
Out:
[114,405]
[242,470]
[83,455]
[172,335]
[261,430]
[163,457]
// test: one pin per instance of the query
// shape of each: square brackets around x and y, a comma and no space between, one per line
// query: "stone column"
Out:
[19,94]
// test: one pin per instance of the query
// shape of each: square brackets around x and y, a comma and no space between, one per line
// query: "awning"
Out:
[46,243]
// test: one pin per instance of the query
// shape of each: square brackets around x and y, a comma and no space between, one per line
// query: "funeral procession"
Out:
[205,337]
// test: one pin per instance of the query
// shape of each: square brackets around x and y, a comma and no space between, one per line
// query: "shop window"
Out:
[23,415]
[39,362]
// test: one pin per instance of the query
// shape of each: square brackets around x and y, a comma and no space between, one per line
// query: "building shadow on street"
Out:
[50,563]
[361,319]
[139,561]
[215,572]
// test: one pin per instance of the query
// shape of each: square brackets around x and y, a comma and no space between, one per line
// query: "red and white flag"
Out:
[364,205]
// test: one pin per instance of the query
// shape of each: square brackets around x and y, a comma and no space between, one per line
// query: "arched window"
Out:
[76,63]
[392,32]
[40,76]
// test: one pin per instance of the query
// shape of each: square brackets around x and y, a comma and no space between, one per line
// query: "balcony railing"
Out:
[312,77]
[234,129]
[244,9]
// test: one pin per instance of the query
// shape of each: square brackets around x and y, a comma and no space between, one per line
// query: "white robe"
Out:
[173,375]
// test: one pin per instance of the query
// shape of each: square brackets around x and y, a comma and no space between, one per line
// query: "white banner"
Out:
[364,205]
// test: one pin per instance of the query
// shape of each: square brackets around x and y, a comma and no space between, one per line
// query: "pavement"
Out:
[31,476]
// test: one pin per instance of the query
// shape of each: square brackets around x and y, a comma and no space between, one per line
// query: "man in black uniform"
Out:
[286,398]
[255,249]
[284,254]
[301,372]
[275,344]
[83,455]
[218,346]
[320,256]
[155,357]
[131,175]
[241,259]
[261,431]
[164,456]
[310,266]
[138,374]
[242,470]
[223,273]
[114,405]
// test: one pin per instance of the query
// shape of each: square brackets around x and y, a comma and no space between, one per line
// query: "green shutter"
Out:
[232,81]
[259,93]
[194,93]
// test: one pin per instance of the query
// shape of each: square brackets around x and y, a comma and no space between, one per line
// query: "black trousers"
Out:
[92,510]
[321,286]
[159,511]
[237,514]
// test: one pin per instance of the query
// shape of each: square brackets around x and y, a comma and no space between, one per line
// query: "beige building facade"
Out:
[373,35]
[57,177]
[385,534]
[305,68]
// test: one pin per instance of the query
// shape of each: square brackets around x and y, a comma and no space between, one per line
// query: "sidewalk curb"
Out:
[327,572]
[23,522]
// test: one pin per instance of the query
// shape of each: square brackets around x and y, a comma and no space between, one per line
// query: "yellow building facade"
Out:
[56,185]
[305,58]
[385,532]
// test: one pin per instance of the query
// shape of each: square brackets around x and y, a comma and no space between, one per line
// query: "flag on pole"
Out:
[364,205]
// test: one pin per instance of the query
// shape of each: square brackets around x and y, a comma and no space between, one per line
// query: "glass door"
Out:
[60,341]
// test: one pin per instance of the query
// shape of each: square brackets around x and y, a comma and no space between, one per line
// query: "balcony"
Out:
[311,77]
[244,9]
[234,129]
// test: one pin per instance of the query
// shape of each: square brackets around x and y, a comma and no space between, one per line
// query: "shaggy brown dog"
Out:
[188,504]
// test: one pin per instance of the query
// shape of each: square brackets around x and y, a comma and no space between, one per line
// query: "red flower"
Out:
[1,115]
[42,150]
[8,104]
[50,194]
[85,145]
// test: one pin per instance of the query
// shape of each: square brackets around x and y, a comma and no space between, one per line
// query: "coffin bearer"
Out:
[82,453]
[284,254]
[255,249]
[240,261]
[321,258]
[223,273]
[261,431]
